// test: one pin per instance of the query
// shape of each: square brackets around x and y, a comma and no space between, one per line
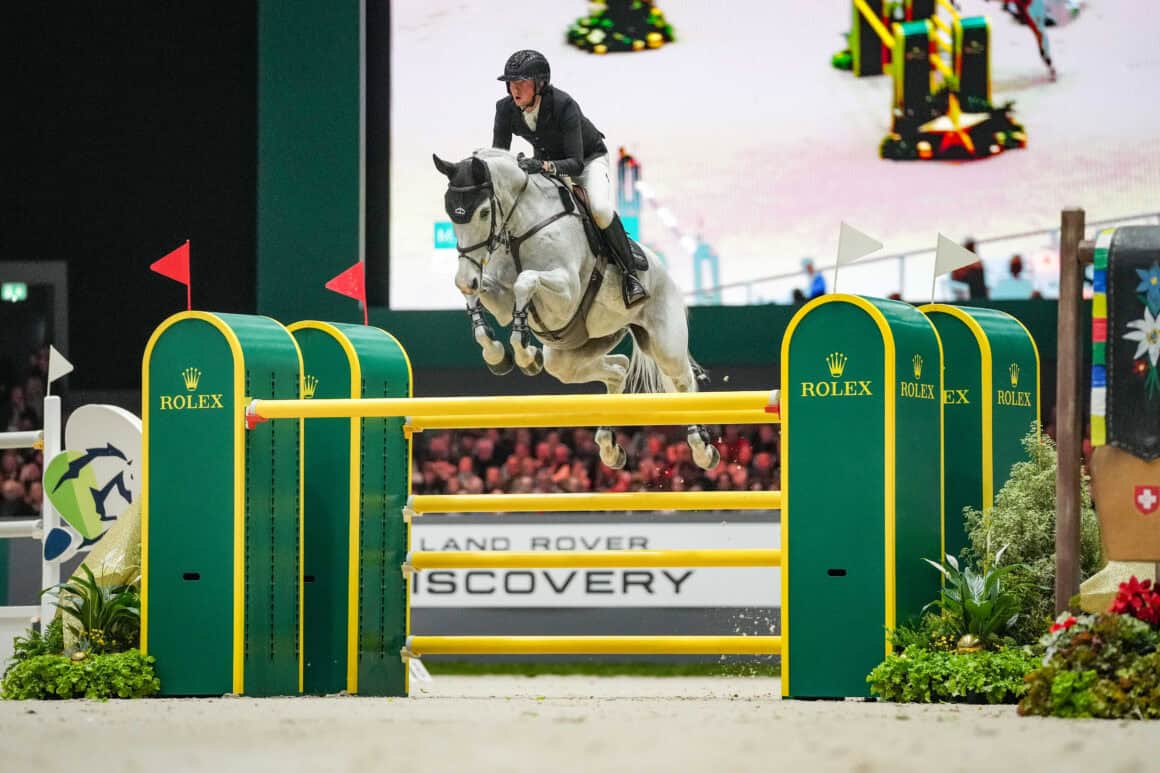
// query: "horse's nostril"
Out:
[474,284]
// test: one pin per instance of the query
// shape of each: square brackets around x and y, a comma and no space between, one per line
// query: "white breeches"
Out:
[597,183]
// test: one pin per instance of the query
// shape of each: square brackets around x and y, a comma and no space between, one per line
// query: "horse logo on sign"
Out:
[1147,499]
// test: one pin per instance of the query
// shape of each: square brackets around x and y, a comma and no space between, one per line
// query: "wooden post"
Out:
[1068,404]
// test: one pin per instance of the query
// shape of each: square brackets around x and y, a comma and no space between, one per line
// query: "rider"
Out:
[567,144]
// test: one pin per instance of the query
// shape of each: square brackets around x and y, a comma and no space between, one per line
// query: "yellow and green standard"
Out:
[861,482]
[356,485]
[221,512]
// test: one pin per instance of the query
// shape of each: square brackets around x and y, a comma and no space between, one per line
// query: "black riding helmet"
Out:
[527,65]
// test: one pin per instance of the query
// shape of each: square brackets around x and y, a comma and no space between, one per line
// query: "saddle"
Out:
[577,198]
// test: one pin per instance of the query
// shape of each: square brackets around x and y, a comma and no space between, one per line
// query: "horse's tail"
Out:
[644,375]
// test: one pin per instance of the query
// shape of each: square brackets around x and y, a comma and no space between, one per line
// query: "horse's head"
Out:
[477,188]
[469,188]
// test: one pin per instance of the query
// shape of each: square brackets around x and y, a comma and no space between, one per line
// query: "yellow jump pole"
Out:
[592,645]
[569,503]
[941,66]
[949,8]
[875,23]
[566,418]
[942,25]
[586,559]
[593,408]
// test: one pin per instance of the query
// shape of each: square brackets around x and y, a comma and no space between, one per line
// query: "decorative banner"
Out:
[1126,345]
[94,479]
[677,587]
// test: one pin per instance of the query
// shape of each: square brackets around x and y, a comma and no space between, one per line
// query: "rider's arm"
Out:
[570,126]
[501,133]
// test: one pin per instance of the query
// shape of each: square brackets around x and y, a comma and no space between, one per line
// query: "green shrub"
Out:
[102,618]
[931,632]
[46,677]
[1023,523]
[1102,666]
[927,676]
[33,643]
[976,603]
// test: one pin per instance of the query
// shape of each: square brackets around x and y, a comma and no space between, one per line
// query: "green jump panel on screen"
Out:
[990,400]
[356,486]
[971,52]
[861,486]
[221,571]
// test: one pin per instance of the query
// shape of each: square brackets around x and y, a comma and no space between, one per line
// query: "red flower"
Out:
[1139,599]
[1068,623]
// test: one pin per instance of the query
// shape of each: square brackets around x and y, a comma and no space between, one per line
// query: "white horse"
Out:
[524,251]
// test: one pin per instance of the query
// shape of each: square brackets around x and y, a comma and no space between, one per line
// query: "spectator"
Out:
[1013,287]
[816,282]
[12,500]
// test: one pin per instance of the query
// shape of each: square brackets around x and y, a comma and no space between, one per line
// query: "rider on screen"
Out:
[566,144]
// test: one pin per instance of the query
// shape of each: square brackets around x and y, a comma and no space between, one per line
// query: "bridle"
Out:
[496,236]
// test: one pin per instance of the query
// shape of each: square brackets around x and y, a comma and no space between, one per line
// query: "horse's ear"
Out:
[445,167]
[478,169]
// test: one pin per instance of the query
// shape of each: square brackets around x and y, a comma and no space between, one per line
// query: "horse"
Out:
[525,255]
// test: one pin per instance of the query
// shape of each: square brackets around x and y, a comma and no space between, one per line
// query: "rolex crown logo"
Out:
[1014,371]
[836,362]
[916,361]
[191,376]
[309,384]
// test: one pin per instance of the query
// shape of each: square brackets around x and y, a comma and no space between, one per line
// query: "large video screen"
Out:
[750,148]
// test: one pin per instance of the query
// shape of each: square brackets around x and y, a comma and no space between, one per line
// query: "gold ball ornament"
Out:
[78,656]
[600,49]
[637,45]
[655,39]
[968,643]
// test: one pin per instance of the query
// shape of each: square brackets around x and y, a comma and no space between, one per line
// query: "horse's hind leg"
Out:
[592,362]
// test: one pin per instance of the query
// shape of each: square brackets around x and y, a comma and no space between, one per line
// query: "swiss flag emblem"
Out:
[1147,499]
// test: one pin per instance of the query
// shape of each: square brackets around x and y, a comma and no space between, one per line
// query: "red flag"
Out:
[175,266]
[352,283]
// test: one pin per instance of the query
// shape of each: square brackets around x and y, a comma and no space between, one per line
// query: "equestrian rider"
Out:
[566,144]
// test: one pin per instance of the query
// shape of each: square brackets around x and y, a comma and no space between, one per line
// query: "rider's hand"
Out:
[531,165]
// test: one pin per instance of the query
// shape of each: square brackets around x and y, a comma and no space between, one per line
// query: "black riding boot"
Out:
[631,288]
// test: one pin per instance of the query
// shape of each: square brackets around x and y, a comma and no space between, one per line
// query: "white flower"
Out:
[1147,332]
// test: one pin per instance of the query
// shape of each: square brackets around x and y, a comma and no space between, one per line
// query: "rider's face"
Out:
[523,92]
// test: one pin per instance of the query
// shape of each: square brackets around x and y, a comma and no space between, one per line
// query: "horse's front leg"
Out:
[497,356]
[527,286]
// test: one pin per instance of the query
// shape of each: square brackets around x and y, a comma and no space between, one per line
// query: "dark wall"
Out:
[134,130]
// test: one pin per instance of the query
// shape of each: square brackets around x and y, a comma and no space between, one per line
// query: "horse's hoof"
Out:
[504,366]
[536,367]
[714,458]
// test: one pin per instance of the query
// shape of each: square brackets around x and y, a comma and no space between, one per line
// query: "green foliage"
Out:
[932,632]
[976,602]
[1097,666]
[47,677]
[1022,522]
[104,619]
[926,676]
[34,643]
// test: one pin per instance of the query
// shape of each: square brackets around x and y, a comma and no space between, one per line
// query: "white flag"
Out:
[854,245]
[57,366]
[950,255]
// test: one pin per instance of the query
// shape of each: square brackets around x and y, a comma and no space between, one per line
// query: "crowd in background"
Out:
[523,461]
[22,395]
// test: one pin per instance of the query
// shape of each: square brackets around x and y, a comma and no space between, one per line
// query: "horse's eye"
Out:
[484,213]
